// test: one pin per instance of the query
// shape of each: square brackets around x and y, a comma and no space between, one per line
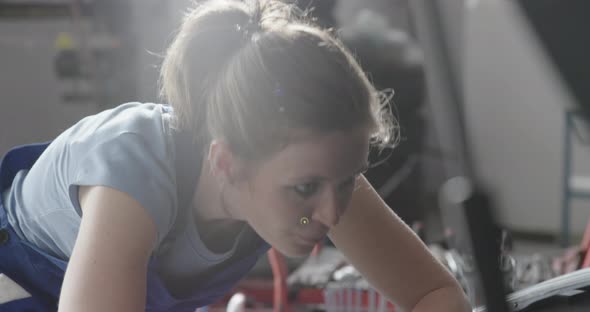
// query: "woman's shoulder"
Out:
[148,124]
[143,119]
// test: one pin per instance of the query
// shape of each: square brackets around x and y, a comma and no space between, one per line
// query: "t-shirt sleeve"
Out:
[128,163]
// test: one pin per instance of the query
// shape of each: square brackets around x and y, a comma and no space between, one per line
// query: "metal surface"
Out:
[562,285]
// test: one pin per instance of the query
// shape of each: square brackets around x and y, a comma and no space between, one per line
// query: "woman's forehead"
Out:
[338,153]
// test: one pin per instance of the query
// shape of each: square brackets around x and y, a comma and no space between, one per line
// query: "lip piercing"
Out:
[304,221]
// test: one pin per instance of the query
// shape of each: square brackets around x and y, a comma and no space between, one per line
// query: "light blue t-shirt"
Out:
[130,148]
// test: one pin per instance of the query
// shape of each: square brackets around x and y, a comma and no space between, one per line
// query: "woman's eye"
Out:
[306,190]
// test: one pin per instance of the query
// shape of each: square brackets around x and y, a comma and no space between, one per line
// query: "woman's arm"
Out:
[392,258]
[107,269]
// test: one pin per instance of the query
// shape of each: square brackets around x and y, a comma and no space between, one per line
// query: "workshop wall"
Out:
[515,111]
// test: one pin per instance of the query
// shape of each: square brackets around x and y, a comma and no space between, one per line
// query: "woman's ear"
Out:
[224,164]
[220,161]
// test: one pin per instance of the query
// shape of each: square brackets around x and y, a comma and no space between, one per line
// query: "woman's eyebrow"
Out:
[309,178]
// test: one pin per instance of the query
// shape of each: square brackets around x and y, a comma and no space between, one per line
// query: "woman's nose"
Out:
[329,211]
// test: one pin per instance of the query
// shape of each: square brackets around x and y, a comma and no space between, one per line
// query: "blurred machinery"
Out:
[92,53]
[66,59]
[439,27]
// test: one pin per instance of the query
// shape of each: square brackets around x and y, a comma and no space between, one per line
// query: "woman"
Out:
[158,208]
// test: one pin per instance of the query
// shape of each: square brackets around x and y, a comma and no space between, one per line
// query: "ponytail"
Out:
[209,37]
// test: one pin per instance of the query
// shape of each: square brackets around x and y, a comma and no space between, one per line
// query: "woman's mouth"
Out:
[310,240]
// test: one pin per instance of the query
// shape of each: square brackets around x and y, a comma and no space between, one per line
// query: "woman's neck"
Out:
[216,215]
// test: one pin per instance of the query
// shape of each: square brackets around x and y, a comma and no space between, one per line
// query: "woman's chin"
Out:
[295,250]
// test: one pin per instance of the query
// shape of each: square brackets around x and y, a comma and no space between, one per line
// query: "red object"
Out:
[316,250]
[585,247]
[280,274]
[276,293]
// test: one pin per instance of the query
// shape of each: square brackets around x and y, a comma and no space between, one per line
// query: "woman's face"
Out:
[312,178]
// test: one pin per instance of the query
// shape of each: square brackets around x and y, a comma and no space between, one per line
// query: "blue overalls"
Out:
[41,274]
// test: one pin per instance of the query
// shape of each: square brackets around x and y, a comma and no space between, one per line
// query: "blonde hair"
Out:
[251,72]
